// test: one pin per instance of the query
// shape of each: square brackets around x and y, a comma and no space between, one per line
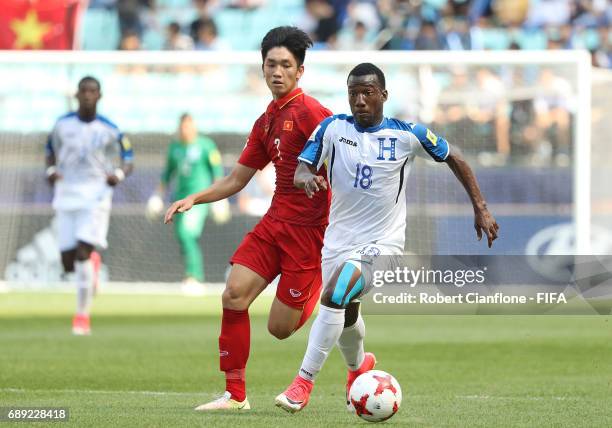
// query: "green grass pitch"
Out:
[151,359]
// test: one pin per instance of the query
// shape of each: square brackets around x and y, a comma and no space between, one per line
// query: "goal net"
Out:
[522,119]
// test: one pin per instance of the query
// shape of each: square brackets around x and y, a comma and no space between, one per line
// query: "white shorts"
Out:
[86,225]
[362,258]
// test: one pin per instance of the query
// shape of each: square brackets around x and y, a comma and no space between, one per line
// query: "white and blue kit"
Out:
[367,170]
[85,153]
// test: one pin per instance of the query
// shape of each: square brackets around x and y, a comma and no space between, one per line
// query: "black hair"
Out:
[367,68]
[208,24]
[185,116]
[294,39]
[174,27]
[90,79]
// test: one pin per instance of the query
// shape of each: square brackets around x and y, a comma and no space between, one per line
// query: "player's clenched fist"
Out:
[484,221]
[53,178]
[52,175]
[179,206]
[315,184]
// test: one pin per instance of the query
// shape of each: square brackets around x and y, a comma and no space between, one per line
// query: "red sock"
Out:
[234,346]
[235,384]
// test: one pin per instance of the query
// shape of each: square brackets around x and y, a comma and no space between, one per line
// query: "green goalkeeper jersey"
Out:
[194,165]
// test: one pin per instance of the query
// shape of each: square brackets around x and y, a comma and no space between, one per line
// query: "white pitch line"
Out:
[168,393]
[518,398]
[96,391]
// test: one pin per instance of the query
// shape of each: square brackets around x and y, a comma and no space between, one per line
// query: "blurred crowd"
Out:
[526,118]
[528,115]
[382,24]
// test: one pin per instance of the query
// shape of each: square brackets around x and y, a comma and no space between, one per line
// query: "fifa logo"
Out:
[382,148]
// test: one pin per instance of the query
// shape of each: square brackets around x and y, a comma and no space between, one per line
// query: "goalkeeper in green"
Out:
[195,162]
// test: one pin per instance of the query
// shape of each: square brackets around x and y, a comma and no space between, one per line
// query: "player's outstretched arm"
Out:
[220,189]
[306,178]
[483,219]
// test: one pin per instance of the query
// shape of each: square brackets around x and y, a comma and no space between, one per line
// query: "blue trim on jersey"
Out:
[401,183]
[381,125]
[311,154]
[437,147]
[398,124]
[107,121]
[67,116]
[331,166]
[126,155]
[49,147]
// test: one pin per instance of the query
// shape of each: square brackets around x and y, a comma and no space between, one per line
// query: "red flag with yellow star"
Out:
[39,24]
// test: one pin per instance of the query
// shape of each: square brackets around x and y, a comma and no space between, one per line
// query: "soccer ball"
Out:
[154,208]
[375,396]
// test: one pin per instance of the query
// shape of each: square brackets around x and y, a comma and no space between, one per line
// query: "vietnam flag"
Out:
[39,24]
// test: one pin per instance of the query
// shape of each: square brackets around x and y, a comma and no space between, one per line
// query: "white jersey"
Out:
[85,153]
[366,170]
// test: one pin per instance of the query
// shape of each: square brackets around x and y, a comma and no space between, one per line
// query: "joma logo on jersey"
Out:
[347,141]
[383,147]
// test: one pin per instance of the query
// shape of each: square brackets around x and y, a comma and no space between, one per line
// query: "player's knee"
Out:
[327,299]
[234,298]
[346,284]
[83,251]
[68,258]
[280,330]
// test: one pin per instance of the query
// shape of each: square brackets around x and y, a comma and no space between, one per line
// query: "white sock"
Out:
[84,280]
[324,334]
[351,344]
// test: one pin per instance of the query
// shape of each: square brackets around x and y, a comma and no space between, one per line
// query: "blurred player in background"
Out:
[288,240]
[195,162]
[368,154]
[82,155]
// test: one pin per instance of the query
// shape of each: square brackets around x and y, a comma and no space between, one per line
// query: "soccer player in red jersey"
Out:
[289,237]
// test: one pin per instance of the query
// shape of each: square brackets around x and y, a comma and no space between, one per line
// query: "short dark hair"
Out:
[90,79]
[208,24]
[294,39]
[367,68]
[174,27]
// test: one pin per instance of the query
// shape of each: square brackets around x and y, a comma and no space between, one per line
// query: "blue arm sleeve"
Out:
[315,146]
[49,146]
[437,147]
[127,153]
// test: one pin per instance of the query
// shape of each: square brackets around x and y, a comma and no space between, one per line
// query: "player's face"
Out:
[366,99]
[187,130]
[281,71]
[88,95]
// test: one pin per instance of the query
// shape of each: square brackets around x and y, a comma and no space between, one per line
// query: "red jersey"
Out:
[279,135]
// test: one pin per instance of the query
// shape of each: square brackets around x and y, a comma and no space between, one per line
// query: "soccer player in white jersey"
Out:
[86,157]
[368,157]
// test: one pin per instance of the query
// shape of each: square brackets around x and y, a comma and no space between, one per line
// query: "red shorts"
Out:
[274,247]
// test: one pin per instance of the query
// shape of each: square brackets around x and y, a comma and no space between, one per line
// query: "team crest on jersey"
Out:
[369,250]
[383,148]
[288,125]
